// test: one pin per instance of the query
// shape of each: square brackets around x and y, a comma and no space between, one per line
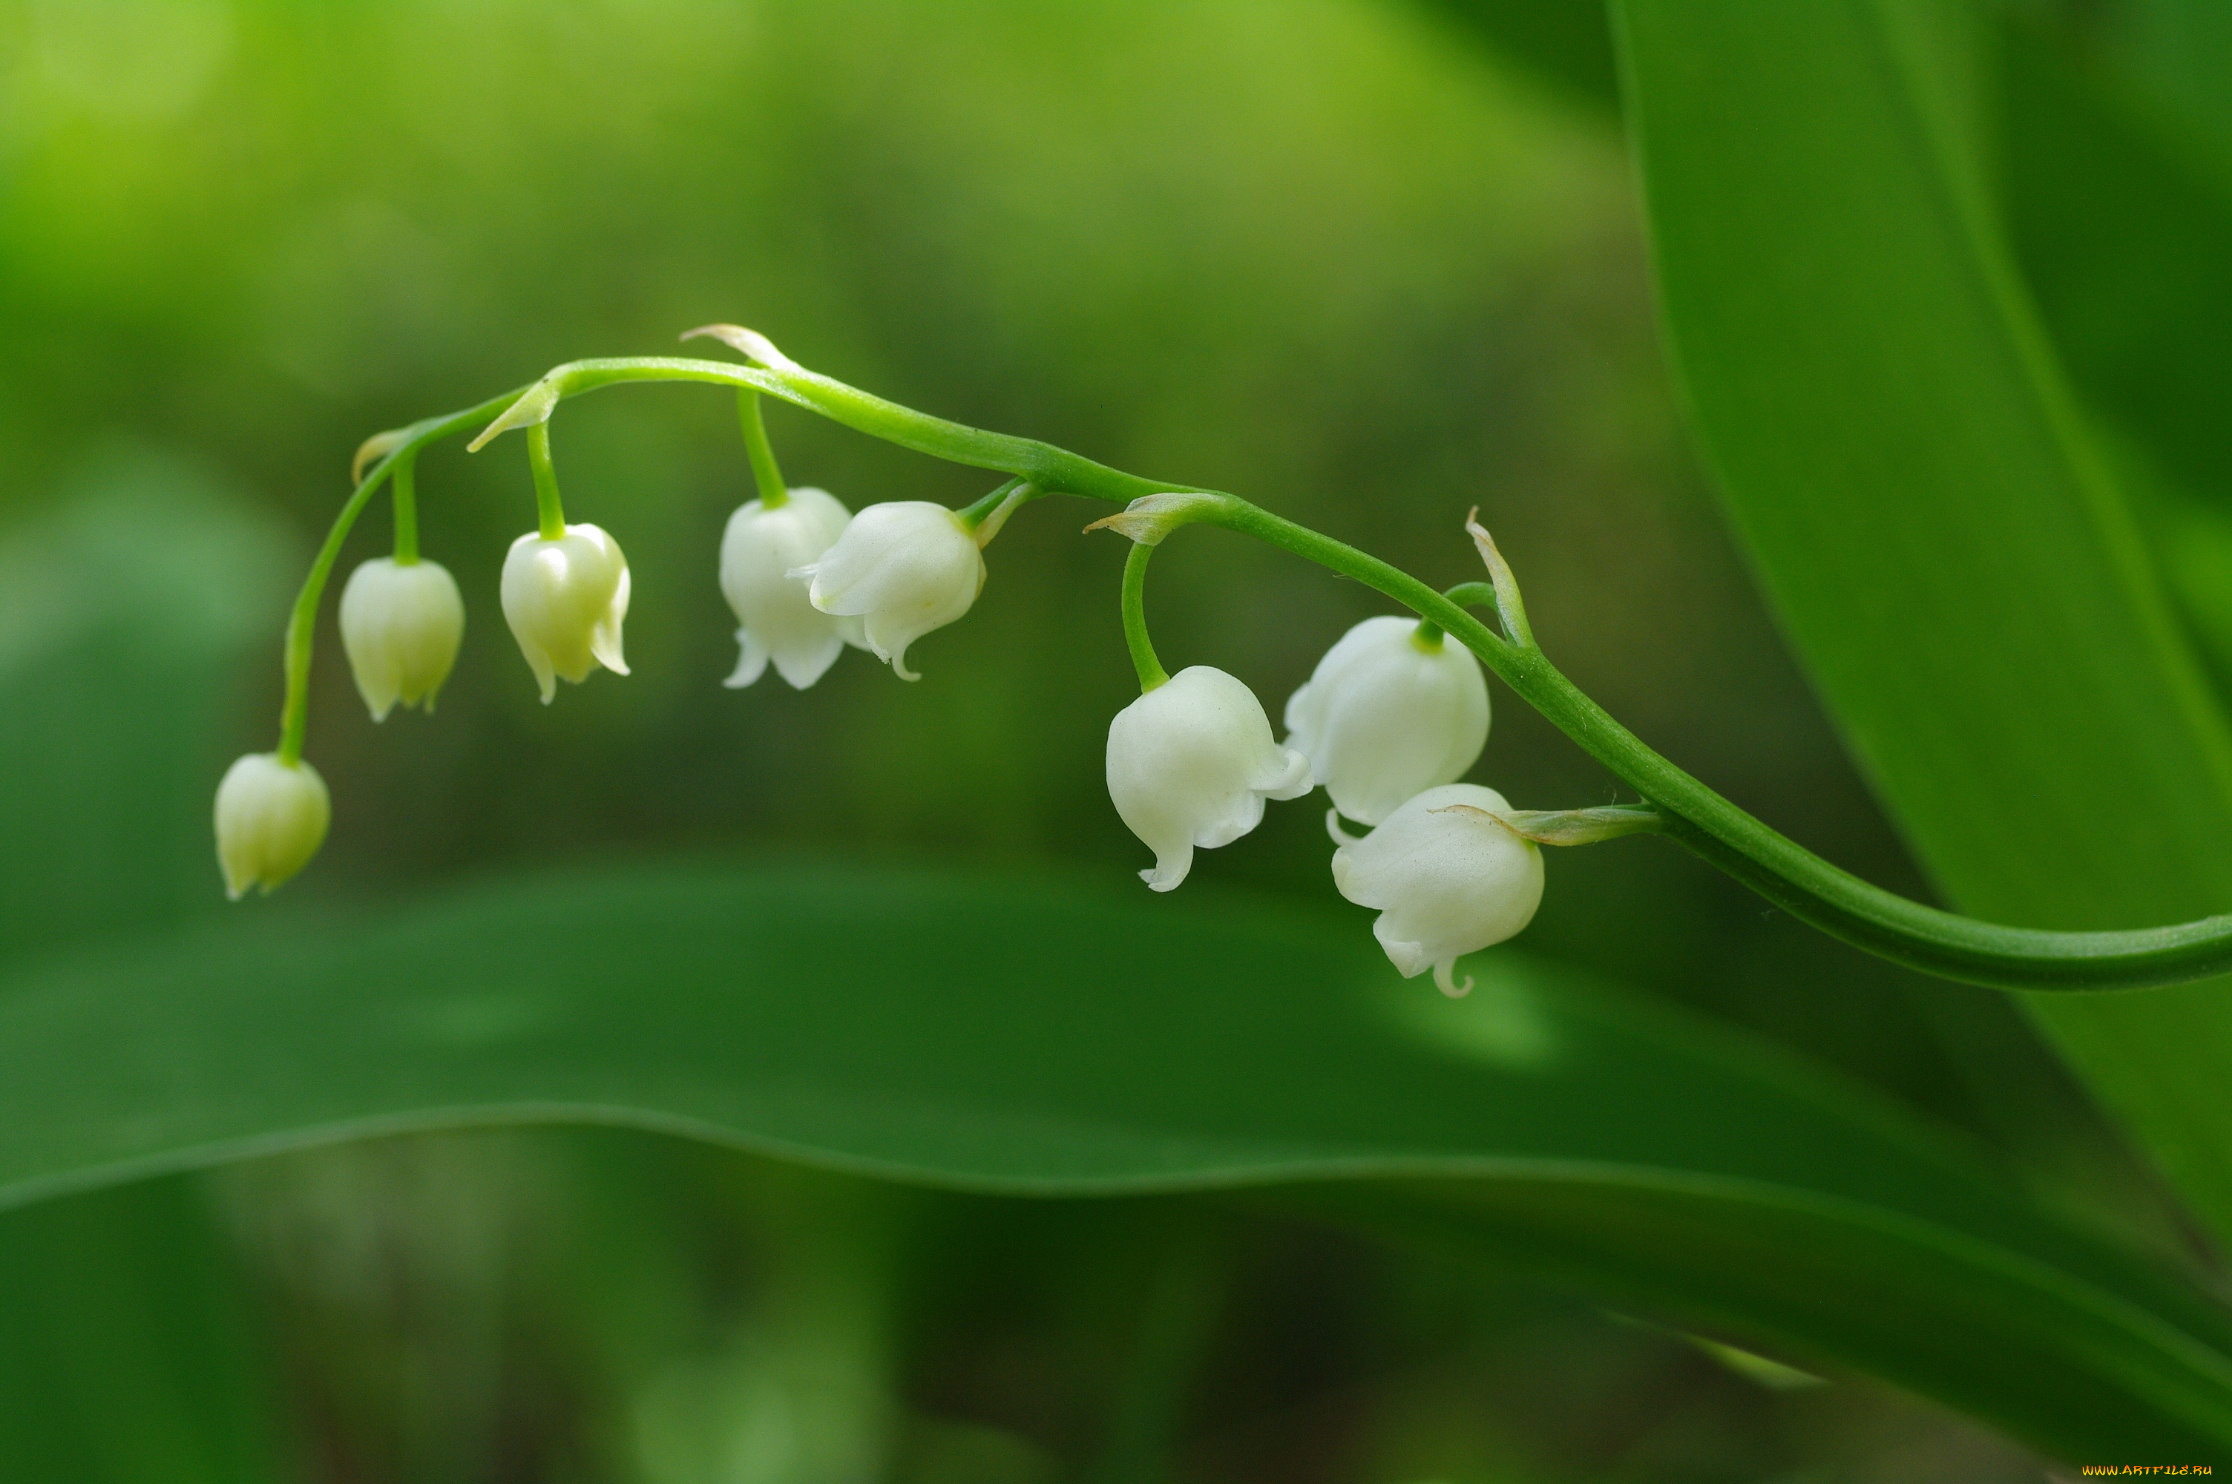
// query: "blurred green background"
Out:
[1368,262]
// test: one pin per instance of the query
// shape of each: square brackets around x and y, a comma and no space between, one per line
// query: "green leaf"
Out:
[1030,1038]
[1897,446]
[1564,42]
[2122,222]
[131,1348]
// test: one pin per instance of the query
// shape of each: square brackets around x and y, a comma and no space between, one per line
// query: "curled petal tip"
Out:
[1445,980]
[1333,828]
[1161,880]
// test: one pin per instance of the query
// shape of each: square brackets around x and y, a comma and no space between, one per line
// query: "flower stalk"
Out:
[1910,933]
[1151,672]
[405,501]
[773,493]
[549,512]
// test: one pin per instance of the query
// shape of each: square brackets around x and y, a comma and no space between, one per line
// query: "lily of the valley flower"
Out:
[565,600]
[271,818]
[1387,714]
[777,620]
[1190,764]
[903,568]
[401,625]
[1447,880]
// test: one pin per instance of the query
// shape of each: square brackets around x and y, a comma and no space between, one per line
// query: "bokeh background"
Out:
[1369,262]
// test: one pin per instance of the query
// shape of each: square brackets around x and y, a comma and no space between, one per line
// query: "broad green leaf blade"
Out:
[1898,449]
[1028,1038]
[131,1352]
[2122,222]
[1564,41]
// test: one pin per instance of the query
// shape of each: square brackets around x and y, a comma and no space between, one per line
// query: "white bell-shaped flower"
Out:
[401,625]
[904,568]
[1386,715]
[1446,880]
[777,620]
[1190,764]
[564,600]
[271,818]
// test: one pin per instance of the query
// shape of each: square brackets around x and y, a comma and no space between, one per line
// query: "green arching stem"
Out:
[548,511]
[1151,673]
[768,475]
[1778,868]
[1807,886]
[406,511]
[1054,470]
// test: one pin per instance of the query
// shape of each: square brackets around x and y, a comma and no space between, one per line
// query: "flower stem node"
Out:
[1190,764]
[565,598]
[271,818]
[902,568]
[1447,877]
[1148,519]
[1388,714]
[401,624]
[777,620]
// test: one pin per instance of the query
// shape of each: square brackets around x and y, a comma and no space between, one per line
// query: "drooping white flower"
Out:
[1386,715]
[564,600]
[1190,764]
[401,625]
[904,567]
[775,614]
[271,818]
[1446,880]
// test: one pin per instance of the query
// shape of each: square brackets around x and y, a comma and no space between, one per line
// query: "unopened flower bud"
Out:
[1447,880]
[564,600]
[777,620]
[1190,764]
[904,568]
[401,626]
[1386,715]
[271,818]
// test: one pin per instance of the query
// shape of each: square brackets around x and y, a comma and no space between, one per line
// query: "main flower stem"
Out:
[1810,888]
[1151,673]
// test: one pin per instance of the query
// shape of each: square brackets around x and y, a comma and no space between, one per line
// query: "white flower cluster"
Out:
[1391,716]
[804,577]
